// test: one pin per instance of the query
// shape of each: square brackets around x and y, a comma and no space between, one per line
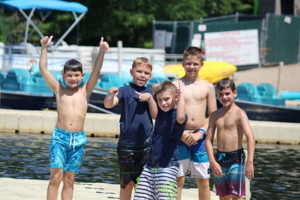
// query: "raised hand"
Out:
[103,45]
[46,41]
[180,86]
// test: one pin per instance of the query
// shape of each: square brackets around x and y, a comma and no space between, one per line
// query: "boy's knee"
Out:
[203,183]
[55,180]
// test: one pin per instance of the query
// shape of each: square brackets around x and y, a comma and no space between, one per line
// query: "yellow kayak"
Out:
[212,71]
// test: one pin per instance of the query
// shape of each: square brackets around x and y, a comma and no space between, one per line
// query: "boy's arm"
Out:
[211,99]
[151,102]
[111,100]
[48,77]
[181,115]
[209,141]
[211,106]
[154,87]
[90,85]
[249,171]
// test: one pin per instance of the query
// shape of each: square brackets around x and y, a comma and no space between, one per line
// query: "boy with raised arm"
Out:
[199,96]
[68,138]
[159,177]
[232,124]
[136,125]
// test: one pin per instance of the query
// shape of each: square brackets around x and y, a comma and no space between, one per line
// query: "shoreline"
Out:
[106,125]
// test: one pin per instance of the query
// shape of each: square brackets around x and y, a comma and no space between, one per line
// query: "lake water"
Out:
[25,156]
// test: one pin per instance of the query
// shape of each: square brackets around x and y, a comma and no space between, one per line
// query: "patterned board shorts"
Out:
[67,150]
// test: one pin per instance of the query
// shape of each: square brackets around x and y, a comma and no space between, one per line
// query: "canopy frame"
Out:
[36,5]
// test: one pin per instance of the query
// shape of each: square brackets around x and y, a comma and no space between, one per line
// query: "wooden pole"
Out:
[120,57]
[281,64]
[97,88]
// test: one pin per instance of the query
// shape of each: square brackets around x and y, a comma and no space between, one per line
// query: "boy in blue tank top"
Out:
[159,177]
[136,126]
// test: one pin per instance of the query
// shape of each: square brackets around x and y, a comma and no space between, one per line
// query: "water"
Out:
[23,156]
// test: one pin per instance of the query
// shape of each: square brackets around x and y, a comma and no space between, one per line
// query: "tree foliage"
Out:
[131,21]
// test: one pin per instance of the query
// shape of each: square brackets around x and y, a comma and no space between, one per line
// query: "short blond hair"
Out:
[142,61]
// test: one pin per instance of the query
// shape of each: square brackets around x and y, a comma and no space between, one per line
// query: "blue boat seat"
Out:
[34,69]
[126,77]
[110,80]
[17,79]
[2,77]
[267,90]
[249,92]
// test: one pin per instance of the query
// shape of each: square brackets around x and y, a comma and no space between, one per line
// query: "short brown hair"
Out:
[192,51]
[226,83]
[142,61]
[166,85]
[73,65]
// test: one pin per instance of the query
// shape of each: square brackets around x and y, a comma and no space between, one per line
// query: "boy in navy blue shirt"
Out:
[159,177]
[136,126]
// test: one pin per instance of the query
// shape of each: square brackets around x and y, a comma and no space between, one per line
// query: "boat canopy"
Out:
[45,6]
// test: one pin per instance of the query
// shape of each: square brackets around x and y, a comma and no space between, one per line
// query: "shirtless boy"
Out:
[68,138]
[232,124]
[199,96]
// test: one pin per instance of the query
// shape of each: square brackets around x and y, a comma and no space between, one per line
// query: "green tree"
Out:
[129,21]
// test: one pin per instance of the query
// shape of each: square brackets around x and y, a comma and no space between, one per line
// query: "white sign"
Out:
[235,47]
[169,37]
[196,41]
[159,39]
[202,27]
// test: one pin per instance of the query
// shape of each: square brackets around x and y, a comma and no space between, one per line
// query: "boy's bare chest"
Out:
[194,92]
[72,98]
[227,122]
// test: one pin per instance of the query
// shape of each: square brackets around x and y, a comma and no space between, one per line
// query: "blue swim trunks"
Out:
[67,149]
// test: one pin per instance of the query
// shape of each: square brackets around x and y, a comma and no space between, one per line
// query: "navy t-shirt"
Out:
[136,126]
[166,137]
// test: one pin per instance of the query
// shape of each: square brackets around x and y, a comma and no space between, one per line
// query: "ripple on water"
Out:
[277,167]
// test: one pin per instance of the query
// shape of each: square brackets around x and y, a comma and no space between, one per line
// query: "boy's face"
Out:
[140,75]
[226,96]
[73,79]
[192,65]
[167,100]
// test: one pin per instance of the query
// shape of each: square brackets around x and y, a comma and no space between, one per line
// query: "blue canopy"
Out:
[47,6]
[44,5]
